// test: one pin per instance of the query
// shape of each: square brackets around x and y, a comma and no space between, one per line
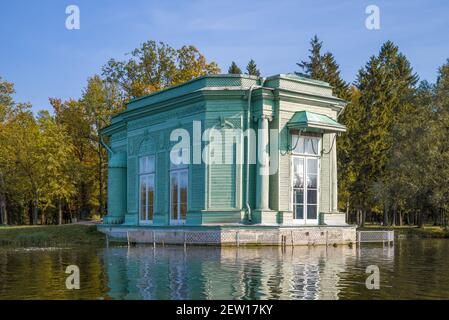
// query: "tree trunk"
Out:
[85,206]
[363,218]
[395,212]
[60,212]
[3,211]
[35,212]
[441,218]
[445,220]
[35,203]
[420,219]
[347,211]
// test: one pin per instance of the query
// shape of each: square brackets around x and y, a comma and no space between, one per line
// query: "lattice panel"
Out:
[294,86]
[297,236]
[203,237]
[375,236]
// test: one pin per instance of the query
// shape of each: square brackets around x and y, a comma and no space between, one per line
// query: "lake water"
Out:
[411,269]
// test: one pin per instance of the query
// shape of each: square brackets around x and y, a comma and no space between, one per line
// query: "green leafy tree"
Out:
[73,116]
[155,66]
[190,63]
[24,143]
[100,100]
[6,109]
[56,157]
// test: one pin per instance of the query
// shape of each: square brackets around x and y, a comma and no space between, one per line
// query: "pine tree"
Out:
[234,69]
[441,117]
[324,67]
[387,86]
[409,176]
[313,67]
[251,68]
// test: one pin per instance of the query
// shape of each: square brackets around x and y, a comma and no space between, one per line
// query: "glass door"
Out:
[178,196]
[147,189]
[146,198]
[305,189]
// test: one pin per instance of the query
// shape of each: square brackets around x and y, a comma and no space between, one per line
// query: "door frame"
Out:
[147,176]
[178,221]
[305,221]
[150,174]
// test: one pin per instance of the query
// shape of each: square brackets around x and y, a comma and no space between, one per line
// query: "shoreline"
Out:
[69,235]
[85,235]
[404,232]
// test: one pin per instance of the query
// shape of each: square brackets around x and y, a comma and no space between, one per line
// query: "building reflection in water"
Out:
[232,273]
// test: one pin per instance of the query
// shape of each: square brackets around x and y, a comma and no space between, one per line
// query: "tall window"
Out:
[179,180]
[147,170]
[305,178]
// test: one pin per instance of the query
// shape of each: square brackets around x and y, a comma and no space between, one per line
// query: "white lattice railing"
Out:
[375,236]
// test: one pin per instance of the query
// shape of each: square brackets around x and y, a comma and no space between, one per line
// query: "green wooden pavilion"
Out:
[280,177]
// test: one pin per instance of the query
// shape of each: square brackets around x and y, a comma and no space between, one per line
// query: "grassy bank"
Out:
[49,236]
[425,232]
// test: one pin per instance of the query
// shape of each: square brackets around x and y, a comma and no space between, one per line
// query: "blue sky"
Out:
[44,59]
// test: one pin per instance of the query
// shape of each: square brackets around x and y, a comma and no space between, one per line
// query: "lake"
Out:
[411,269]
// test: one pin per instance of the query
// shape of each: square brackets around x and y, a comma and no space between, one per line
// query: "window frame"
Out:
[178,171]
[147,175]
[305,157]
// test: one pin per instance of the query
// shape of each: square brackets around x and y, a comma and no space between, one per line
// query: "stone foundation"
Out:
[234,236]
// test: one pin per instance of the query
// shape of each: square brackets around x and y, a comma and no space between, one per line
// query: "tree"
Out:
[348,143]
[234,69]
[16,130]
[441,117]
[155,66]
[313,67]
[99,101]
[6,108]
[24,144]
[408,171]
[191,64]
[323,67]
[387,87]
[73,116]
[251,69]
[6,100]
[58,185]
[83,120]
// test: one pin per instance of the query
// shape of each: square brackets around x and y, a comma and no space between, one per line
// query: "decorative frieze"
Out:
[163,116]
